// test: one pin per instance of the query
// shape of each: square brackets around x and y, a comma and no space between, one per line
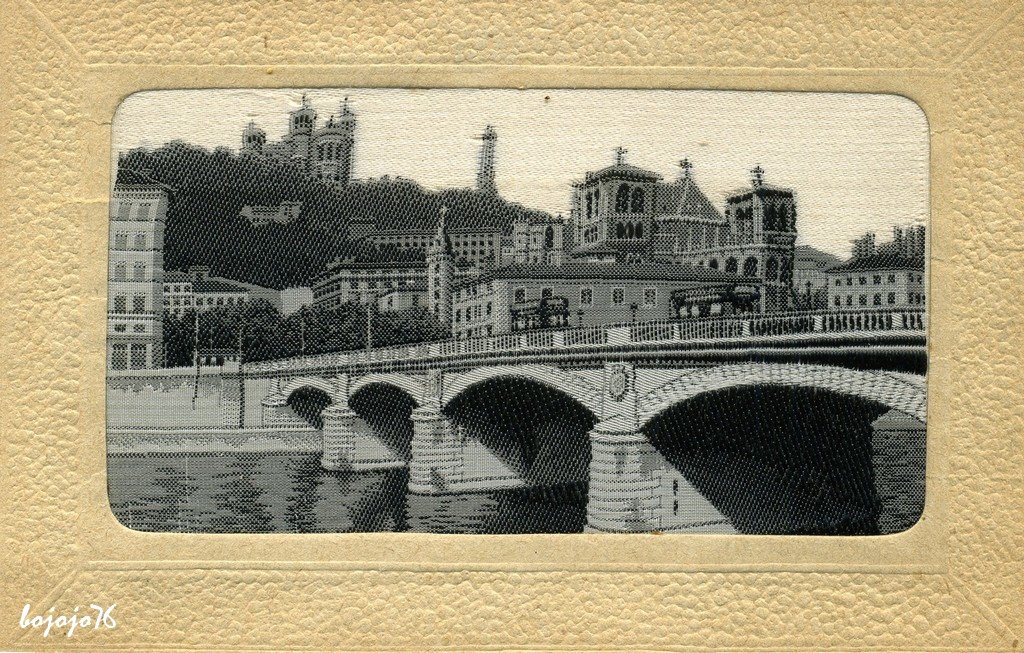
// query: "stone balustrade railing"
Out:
[780,325]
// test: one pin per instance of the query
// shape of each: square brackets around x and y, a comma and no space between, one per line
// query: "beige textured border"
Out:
[953,582]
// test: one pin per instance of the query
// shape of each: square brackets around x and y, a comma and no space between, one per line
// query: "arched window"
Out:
[730,265]
[637,204]
[713,264]
[629,230]
[639,229]
[620,230]
[750,267]
[590,205]
[771,270]
[622,199]
[549,237]
[786,273]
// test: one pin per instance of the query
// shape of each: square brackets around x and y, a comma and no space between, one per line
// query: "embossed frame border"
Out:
[952,582]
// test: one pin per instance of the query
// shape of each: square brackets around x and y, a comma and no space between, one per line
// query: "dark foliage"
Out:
[266,335]
[211,188]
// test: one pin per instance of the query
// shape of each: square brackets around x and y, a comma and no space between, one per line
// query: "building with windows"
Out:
[404,298]
[261,216]
[136,271]
[522,297]
[887,275]
[480,247]
[320,149]
[624,213]
[197,289]
[883,280]
[365,282]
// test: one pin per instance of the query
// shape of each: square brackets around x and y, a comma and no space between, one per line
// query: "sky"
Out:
[858,162]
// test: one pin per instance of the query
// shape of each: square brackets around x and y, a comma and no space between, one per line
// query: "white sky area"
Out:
[858,162]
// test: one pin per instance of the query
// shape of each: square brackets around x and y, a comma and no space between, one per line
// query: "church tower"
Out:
[485,167]
[440,272]
[332,146]
[253,139]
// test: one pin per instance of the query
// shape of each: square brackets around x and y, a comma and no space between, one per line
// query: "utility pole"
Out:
[302,331]
[241,379]
[369,322]
[195,355]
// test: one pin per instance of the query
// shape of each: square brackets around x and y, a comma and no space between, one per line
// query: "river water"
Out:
[291,493]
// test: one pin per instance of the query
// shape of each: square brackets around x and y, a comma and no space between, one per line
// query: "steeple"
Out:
[485,167]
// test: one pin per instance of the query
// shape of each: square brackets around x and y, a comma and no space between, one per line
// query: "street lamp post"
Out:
[579,314]
[633,308]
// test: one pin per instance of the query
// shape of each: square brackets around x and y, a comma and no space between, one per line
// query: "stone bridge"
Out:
[602,415]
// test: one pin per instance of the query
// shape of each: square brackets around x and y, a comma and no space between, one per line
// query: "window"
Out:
[121,241]
[892,298]
[140,241]
[618,296]
[139,272]
[139,328]
[138,303]
[415,300]
[637,203]
[520,295]
[750,267]
[771,271]
[863,300]
[877,299]
[121,304]
[650,297]
[892,278]
[586,296]
[138,360]
[120,271]
[877,279]
[910,298]
[849,300]
[838,302]
[458,315]
[839,282]
[120,328]
[849,281]
[119,357]
[124,211]
[731,265]
[490,309]
[622,199]
[546,293]
[144,211]
[863,281]
[713,264]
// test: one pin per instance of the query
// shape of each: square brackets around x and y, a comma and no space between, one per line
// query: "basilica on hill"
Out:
[625,223]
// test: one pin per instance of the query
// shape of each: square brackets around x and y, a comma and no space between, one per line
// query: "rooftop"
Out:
[623,171]
[577,270]
[883,261]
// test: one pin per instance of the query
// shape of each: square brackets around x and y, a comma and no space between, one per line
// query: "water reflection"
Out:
[258,493]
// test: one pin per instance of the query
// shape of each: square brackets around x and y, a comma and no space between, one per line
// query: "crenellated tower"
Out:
[332,146]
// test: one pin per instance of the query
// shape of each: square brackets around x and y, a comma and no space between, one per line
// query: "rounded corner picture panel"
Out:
[517,311]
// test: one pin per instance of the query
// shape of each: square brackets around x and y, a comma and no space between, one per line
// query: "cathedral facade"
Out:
[320,149]
[623,213]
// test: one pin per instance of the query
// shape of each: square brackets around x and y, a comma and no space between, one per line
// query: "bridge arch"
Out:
[574,385]
[409,385]
[896,391]
[319,383]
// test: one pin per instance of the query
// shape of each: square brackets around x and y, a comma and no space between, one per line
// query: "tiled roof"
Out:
[884,261]
[612,271]
[809,258]
[131,177]
[625,171]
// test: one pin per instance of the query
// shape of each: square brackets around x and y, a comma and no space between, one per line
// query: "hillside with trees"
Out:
[204,225]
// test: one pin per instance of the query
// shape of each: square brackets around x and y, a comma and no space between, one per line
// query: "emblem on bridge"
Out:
[619,378]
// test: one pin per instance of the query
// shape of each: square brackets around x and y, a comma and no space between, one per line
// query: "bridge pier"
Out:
[633,489]
[277,412]
[351,444]
[437,464]
[898,457]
